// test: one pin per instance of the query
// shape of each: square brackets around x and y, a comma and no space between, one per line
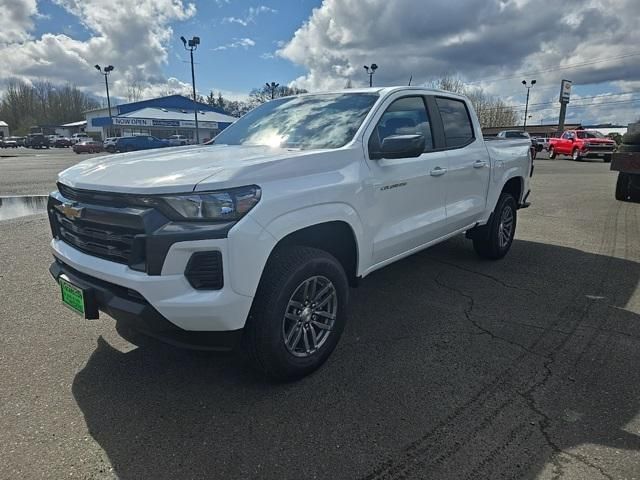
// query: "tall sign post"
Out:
[565,94]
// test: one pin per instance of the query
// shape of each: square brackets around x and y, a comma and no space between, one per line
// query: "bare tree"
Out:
[25,105]
[491,111]
[134,92]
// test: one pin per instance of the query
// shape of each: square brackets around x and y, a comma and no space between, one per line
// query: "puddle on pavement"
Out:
[22,205]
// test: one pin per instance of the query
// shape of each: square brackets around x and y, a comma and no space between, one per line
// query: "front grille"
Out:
[102,229]
[599,146]
[105,241]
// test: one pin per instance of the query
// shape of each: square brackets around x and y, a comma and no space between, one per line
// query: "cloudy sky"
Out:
[493,44]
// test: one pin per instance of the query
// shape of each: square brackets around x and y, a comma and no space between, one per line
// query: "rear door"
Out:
[407,207]
[469,163]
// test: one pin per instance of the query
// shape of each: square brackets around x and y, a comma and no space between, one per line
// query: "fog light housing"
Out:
[204,271]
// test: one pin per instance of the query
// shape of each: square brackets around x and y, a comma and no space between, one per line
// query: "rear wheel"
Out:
[552,153]
[494,239]
[298,314]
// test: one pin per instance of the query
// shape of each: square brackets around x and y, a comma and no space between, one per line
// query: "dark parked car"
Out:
[61,142]
[88,146]
[36,140]
[140,142]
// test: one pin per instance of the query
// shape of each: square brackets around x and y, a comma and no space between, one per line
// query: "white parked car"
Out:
[79,137]
[109,144]
[255,238]
[177,140]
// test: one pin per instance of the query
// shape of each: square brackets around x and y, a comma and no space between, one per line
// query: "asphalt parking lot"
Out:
[450,368]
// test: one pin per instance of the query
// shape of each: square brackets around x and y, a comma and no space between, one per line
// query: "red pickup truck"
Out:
[581,144]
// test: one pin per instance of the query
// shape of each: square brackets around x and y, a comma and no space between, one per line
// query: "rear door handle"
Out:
[438,171]
[479,164]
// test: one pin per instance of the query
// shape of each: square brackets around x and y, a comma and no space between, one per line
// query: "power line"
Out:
[517,107]
[555,69]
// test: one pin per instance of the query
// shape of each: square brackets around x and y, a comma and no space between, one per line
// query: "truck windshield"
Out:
[305,122]
[589,134]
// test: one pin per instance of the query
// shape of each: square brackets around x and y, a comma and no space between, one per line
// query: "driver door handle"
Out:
[479,164]
[438,171]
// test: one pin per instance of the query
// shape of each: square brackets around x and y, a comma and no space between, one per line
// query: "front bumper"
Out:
[132,310]
[596,152]
[170,293]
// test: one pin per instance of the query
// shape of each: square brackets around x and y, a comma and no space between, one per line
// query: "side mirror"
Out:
[401,146]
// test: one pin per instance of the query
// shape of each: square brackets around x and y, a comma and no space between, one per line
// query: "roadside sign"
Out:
[565,91]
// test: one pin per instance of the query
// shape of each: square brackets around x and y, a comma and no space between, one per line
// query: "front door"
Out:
[407,194]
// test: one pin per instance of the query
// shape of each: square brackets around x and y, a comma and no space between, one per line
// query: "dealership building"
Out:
[160,117]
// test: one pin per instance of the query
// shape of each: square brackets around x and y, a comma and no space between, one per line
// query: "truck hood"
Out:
[179,169]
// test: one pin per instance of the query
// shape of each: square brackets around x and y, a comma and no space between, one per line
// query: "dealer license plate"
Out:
[72,297]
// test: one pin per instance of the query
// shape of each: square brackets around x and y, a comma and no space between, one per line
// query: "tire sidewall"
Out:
[271,316]
[575,154]
[506,201]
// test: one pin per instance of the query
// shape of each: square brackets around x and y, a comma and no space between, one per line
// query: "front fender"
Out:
[249,251]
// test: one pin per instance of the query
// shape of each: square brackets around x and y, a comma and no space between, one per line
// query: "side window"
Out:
[405,116]
[458,129]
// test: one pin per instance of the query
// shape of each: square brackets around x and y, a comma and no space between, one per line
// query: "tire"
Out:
[552,153]
[622,187]
[607,159]
[575,155]
[487,241]
[275,344]
[111,149]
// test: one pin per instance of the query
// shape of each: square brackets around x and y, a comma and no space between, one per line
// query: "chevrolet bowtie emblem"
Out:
[69,211]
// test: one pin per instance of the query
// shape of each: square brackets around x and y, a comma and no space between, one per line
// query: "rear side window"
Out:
[458,130]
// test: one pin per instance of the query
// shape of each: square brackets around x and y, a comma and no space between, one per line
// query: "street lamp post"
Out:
[192,45]
[272,86]
[526,108]
[106,71]
[370,71]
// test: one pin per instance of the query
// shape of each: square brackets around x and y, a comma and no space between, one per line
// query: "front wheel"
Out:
[575,155]
[494,239]
[298,314]
[552,153]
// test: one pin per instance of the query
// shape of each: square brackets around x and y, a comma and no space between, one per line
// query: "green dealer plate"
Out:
[72,297]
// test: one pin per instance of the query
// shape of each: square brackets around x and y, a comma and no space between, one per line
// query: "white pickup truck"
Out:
[254,239]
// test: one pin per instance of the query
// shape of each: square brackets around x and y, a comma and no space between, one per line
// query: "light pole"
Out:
[526,108]
[192,45]
[106,71]
[272,86]
[370,71]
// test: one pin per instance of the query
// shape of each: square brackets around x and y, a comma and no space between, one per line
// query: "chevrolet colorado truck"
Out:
[581,144]
[254,239]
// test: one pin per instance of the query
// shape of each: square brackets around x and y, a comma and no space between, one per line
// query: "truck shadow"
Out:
[450,367]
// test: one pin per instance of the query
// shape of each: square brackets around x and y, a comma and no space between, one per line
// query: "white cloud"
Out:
[16,19]
[237,43]
[251,16]
[477,39]
[132,36]
[240,21]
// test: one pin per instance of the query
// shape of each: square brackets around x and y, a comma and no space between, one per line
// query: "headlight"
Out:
[222,205]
